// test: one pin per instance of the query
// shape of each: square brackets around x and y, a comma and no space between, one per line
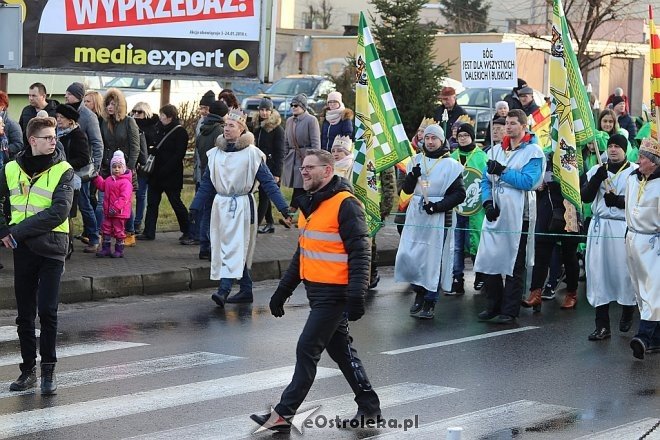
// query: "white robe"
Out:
[643,245]
[234,176]
[500,239]
[605,260]
[424,257]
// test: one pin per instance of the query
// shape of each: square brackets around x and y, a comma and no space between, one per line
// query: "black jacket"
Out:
[168,167]
[269,138]
[211,128]
[456,112]
[30,112]
[148,127]
[354,234]
[36,232]
[76,148]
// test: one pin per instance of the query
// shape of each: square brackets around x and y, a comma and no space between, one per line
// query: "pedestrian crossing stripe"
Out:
[38,420]
[343,406]
[522,415]
[8,333]
[77,350]
[129,370]
[630,430]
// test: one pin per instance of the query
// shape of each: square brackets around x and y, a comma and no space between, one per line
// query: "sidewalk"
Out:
[163,265]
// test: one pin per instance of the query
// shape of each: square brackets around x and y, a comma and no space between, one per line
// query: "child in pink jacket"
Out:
[118,189]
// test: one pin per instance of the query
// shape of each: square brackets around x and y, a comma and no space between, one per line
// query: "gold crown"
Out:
[238,116]
[465,119]
[425,123]
[650,145]
[344,142]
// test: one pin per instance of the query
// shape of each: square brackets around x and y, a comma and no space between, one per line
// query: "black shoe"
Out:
[478,281]
[273,421]
[417,305]
[486,316]
[638,347]
[189,242]
[457,287]
[48,380]
[599,334]
[25,381]
[220,298]
[503,319]
[241,298]
[653,349]
[268,228]
[374,282]
[625,325]
[205,255]
[548,293]
[144,237]
[427,311]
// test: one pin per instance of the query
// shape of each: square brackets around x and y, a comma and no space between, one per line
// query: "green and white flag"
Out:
[380,139]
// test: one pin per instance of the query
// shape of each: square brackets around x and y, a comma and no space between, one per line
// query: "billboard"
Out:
[156,37]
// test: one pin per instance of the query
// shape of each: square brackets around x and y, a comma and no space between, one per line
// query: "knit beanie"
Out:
[436,130]
[265,104]
[77,89]
[650,149]
[207,99]
[118,157]
[334,96]
[218,108]
[68,111]
[301,100]
[499,121]
[466,128]
[617,100]
[619,140]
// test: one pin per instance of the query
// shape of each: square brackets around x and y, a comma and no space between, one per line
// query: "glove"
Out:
[611,199]
[416,171]
[494,167]
[277,303]
[432,208]
[601,173]
[492,212]
[354,308]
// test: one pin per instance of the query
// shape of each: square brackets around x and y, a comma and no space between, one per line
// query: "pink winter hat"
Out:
[334,96]
[118,157]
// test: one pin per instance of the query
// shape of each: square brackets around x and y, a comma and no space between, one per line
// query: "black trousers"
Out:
[542,257]
[504,298]
[264,208]
[154,196]
[327,329]
[603,315]
[37,289]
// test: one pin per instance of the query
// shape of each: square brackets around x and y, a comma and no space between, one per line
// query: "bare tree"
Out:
[320,15]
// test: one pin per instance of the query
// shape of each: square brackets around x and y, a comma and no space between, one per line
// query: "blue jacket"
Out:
[343,128]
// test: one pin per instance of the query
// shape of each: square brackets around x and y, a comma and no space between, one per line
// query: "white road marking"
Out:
[460,340]
[126,371]
[77,350]
[28,422]
[8,333]
[629,430]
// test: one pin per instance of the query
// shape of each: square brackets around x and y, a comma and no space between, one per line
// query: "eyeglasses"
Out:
[463,135]
[294,105]
[137,112]
[48,138]
[309,168]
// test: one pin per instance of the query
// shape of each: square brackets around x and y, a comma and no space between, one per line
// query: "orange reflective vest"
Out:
[323,258]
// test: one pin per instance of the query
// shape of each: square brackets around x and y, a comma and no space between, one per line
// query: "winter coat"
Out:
[30,112]
[119,132]
[36,232]
[453,114]
[626,122]
[168,167]
[342,128]
[76,148]
[14,135]
[269,138]
[117,194]
[89,124]
[211,128]
[531,108]
[354,235]
[301,132]
[148,127]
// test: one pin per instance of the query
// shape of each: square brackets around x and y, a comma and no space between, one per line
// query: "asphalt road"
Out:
[176,366]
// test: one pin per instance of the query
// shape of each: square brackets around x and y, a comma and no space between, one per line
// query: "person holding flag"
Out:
[424,257]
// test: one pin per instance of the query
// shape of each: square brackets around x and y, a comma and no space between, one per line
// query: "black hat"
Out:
[525,91]
[207,99]
[499,121]
[77,89]
[617,100]
[619,140]
[218,108]
[68,112]
[265,104]
[466,128]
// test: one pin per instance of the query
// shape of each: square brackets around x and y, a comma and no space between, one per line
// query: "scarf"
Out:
[61,132]
[334,116]
[342,166]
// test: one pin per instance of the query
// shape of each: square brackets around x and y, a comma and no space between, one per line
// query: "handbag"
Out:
[148,167]
[86,173]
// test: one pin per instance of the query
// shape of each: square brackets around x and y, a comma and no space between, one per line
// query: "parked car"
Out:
[475,102]
[148,90]
[243,88]
[316,88]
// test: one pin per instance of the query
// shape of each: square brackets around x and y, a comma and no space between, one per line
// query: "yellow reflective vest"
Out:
[28,199]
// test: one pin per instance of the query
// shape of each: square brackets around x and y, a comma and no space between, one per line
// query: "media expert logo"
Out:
[238,59]
[99,14]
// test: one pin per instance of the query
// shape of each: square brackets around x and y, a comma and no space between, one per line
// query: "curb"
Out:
[171,280]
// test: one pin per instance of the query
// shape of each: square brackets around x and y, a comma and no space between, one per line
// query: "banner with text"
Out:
[488,65]
[183,37]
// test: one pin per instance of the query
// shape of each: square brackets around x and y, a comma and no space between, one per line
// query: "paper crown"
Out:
[425,123]
[651,146]
[465,119]
[238,116]
[344,142]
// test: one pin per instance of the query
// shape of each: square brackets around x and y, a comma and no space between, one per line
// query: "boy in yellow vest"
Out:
[39,184]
